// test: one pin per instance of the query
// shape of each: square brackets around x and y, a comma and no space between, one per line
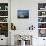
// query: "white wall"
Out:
[32,5]
[23,24]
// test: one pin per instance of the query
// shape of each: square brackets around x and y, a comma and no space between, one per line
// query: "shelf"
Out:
[41,10]
[41,22]
[42,16]
[3,16]
[3,10]
[3,22]
[41,28]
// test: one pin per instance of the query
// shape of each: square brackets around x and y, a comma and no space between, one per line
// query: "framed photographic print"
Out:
[41,25]
[22,13]
[3,19]
[4,29]
[41,19]
[3,13]
[42,33]
[41,6]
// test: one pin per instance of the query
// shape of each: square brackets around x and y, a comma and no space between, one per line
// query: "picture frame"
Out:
[22,14]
